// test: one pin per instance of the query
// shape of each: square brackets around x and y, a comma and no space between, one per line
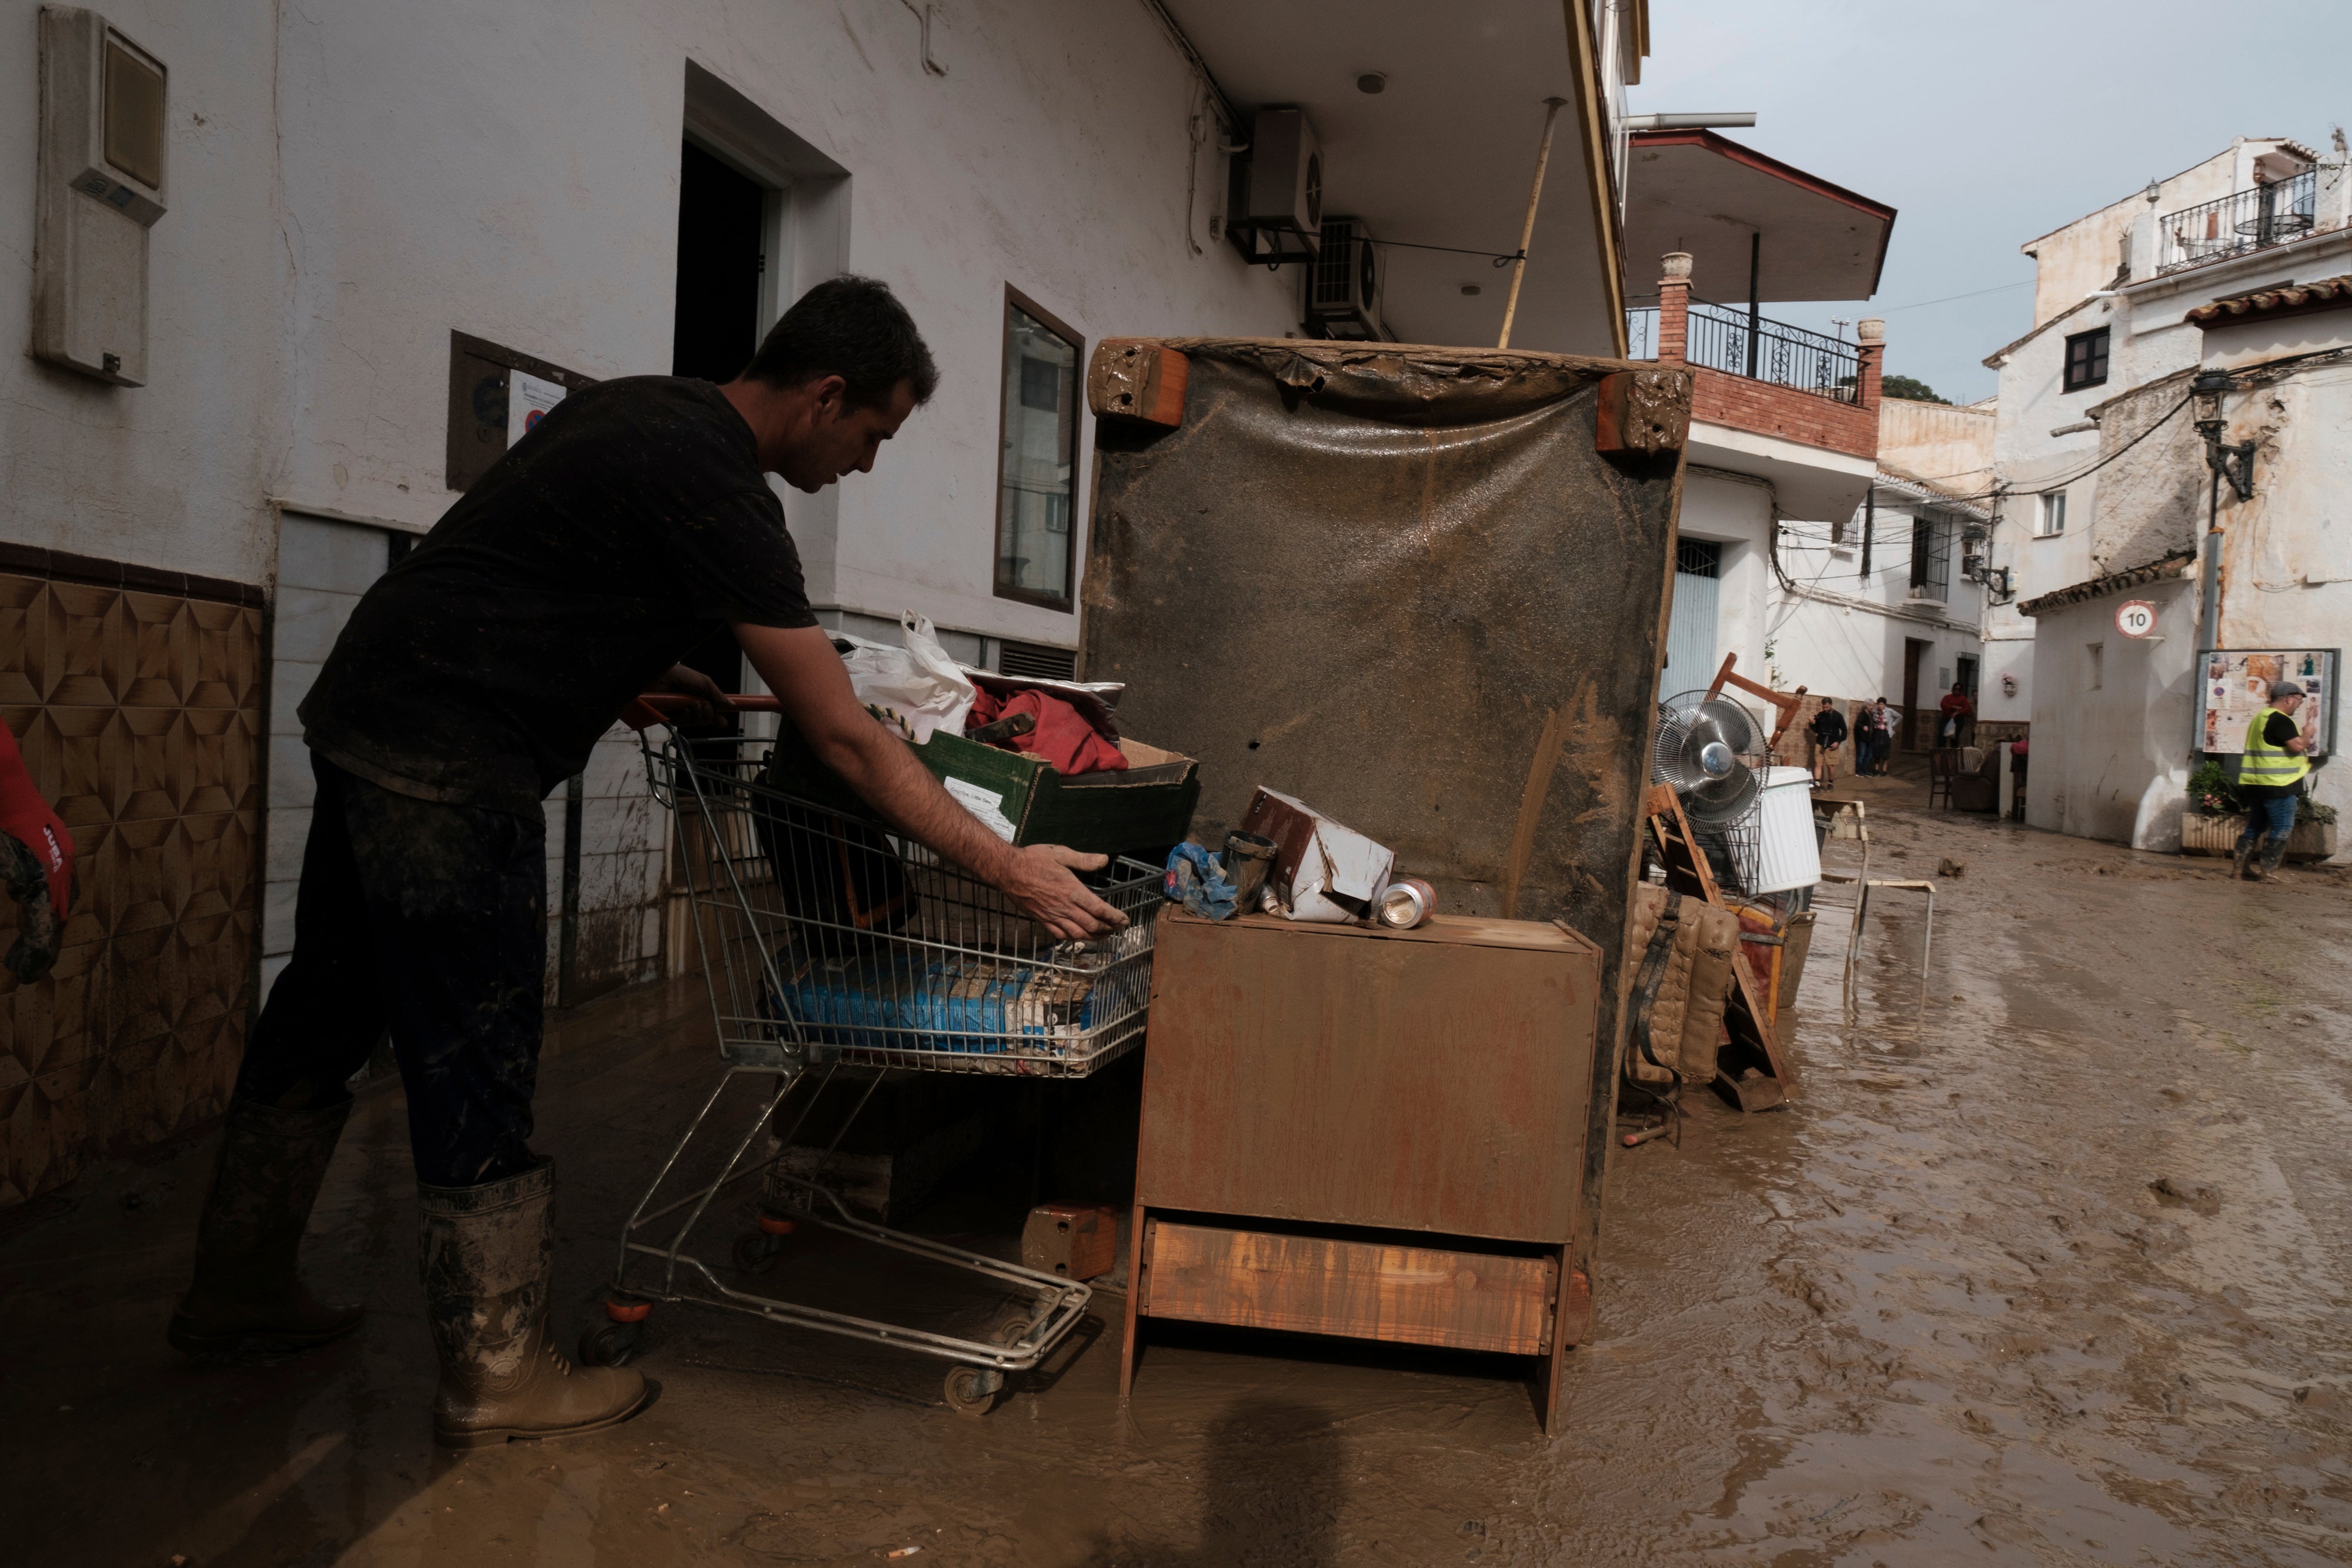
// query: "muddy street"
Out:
[2054,1272]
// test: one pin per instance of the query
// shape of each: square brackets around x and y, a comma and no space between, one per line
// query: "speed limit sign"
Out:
[2135,618]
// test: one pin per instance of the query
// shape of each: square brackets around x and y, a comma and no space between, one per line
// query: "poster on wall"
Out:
[529,397]
[2235,686]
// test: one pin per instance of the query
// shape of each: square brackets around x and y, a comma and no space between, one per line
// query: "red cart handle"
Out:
[661,708]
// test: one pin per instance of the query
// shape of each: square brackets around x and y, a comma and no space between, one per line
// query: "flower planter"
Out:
[2203,835]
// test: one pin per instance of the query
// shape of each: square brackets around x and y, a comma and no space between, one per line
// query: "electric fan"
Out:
[1711,751]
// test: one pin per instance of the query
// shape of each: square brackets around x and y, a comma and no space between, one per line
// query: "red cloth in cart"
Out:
[1063,736]
[28,819]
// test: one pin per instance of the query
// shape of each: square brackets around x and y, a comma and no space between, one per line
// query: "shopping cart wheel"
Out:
[755,1251]
[614,1344]
[973,1390]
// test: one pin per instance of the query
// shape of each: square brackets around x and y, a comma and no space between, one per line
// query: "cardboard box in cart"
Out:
[1026,800]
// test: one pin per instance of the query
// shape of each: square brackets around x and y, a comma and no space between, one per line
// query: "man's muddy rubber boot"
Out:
[247,1291]
[488,1259]
[2243,861]
[2273,851]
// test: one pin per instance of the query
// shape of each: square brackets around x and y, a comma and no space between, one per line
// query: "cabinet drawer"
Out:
[1365,1290]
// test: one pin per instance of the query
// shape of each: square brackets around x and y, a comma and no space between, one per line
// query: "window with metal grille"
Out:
[1699,558]
[1931,557]
[2086,359]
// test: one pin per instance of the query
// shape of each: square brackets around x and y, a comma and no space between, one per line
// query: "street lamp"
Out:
[2232,460]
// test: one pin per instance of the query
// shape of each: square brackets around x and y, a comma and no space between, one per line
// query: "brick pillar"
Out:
[1673,308]
[1871,333]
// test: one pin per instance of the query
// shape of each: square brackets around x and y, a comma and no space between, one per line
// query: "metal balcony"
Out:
[2250,220]
[1719,337]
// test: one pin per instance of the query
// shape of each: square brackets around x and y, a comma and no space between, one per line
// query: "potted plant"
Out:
[2313,838]
[2214,818]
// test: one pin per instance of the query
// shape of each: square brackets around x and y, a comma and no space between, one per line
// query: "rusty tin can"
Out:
[1406,903]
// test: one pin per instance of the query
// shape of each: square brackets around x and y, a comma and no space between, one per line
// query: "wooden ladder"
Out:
[1749,1071]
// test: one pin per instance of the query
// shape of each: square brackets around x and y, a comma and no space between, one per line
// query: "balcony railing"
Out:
[1719,338]
[2250,220]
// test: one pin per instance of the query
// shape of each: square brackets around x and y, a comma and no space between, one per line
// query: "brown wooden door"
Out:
[1914,653]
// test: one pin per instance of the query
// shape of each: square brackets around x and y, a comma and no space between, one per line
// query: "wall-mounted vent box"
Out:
[104,104]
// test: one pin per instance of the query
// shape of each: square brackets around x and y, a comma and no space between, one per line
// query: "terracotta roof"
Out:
[2292,300]
[2175,564]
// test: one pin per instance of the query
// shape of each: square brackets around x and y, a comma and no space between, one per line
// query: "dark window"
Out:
[1931,557]
[1699,558]
[1037,483]
[2086,359]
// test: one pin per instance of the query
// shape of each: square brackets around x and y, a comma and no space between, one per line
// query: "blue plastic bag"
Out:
[1196,879]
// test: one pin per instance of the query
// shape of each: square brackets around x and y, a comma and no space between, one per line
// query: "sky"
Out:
[1985,124]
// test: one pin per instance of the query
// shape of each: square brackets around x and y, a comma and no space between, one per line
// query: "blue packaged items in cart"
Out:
[896,1002]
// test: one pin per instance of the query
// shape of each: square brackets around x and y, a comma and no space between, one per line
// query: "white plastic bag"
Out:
[918,682]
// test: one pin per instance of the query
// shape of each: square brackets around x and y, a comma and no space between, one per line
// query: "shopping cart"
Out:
[829,943]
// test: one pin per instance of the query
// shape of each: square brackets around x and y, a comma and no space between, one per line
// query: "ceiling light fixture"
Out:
[1373,81]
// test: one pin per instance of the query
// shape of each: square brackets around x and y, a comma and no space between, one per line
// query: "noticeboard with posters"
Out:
[2234,685]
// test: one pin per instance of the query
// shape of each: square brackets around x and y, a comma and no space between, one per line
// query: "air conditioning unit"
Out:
[1275,210]
[1343,285]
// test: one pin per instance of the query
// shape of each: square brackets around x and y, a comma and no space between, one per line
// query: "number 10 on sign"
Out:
[2135,618]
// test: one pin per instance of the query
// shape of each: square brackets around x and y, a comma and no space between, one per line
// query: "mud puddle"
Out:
[2053,1272]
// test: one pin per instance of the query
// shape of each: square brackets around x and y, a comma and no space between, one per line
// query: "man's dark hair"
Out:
[853,327]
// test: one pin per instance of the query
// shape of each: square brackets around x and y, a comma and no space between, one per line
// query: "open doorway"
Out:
[723,231]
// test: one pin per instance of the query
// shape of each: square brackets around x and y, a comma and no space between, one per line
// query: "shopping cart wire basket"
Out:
[830,942]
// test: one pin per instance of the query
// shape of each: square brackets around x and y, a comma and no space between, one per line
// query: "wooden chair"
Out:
[1942,764]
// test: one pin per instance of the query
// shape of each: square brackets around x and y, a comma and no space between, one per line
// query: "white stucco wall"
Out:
[2111,760]
[410,170]
[2286,559]
[1844,634]
[1736,512]
[174,473]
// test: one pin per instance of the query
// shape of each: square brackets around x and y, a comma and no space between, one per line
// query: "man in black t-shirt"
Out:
[473,678]
[1829,733]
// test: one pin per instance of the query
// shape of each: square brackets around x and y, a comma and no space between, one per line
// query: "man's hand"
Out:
[801,667]
[711,701]
[1041,883]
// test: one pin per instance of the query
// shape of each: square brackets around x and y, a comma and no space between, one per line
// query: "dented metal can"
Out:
[1407,904]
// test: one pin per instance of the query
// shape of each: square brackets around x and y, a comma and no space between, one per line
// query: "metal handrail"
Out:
[2238,223]
[1718,336]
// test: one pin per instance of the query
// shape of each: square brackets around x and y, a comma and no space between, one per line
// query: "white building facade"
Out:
[2109,493]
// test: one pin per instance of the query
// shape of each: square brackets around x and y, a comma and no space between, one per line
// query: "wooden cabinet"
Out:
[1369,1133]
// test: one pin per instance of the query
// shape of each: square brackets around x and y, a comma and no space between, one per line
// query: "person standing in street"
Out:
[472,679]
[2270,782]
[1828,731]
[1958,723]
[1869,737]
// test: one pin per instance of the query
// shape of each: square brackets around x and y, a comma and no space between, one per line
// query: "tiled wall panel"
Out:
[140,716]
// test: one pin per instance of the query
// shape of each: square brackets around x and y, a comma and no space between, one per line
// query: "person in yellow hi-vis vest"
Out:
[2270,780]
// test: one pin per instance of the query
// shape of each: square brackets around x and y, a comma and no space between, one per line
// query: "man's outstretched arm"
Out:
[801,667]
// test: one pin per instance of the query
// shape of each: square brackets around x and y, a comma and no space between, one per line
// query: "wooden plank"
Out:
[1137,1283]
[1571,1327]
[1135,378]
[1477,930]
[1294,1074]
[1309,1285]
